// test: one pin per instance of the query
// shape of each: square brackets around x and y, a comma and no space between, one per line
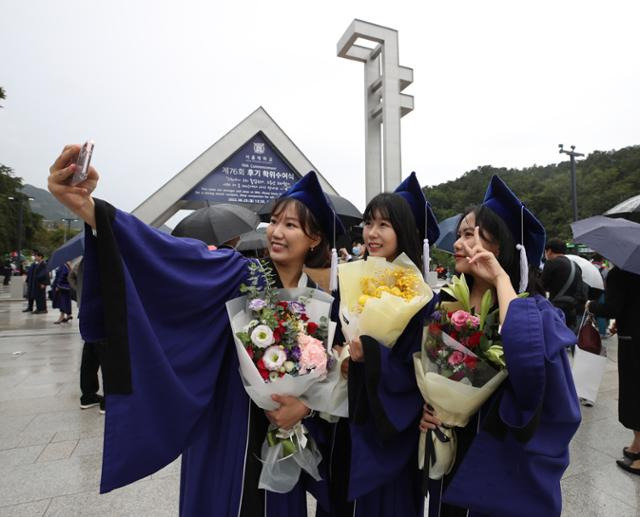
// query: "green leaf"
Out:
[485,306]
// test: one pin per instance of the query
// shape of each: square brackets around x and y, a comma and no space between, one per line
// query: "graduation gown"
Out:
[374,454]
[61,290]
[514,463]
[170,368]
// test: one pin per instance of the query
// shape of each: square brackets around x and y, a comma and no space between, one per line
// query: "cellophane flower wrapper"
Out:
[316,389]
[454,396]
[384,318]
[318,305]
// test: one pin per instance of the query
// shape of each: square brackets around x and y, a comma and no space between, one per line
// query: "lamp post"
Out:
[19,197]
[574,193]
[67,228]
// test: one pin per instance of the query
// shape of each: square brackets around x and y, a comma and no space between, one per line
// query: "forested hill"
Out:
[604,179]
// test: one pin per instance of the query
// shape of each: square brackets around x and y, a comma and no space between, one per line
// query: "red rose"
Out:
[435,329]
[250,352]
[470,362]
[474,339]
[454,334]
[264,373]
[312,328]
[284,305]
[304,317]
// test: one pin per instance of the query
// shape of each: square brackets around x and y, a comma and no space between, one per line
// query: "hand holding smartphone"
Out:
[82,163]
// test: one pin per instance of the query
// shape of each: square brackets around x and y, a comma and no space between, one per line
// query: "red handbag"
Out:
[588,336]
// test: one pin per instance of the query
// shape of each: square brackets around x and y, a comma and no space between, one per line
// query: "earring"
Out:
[312,248]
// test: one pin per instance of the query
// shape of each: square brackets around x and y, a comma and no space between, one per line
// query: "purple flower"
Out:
[297,307]
[257,304]
[294,353]
[435,316]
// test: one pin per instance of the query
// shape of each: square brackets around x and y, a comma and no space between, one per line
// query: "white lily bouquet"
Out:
[283,339]
[460,365]
[379,298]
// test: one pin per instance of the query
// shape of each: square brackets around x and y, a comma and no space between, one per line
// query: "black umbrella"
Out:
[616,239]
[254,240]
[629,208]
[217,224]
[345,210]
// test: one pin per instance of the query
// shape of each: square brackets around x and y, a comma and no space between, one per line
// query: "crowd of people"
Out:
[152,314]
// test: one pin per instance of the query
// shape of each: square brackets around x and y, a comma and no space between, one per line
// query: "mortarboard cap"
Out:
[524,226]
[309,192]
[412,193]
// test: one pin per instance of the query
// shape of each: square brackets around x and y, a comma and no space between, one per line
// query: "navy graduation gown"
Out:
[170,368]
[514,464]
[374,461]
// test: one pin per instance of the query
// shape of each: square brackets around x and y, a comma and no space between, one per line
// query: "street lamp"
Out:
[67,228]
[574,194]
[20,198]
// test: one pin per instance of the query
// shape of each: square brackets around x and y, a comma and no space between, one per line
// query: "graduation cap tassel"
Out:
[426,259]
[333,280]
[333,275]
[524,263]
[524,269]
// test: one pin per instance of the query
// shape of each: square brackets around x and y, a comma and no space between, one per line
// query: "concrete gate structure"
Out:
[244,147]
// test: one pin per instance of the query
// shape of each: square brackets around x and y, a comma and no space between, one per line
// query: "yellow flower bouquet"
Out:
[378,298]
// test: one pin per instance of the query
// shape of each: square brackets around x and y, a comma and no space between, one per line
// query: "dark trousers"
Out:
[41,298]
[89,384]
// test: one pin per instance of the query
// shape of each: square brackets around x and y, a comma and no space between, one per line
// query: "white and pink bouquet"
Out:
[283,339]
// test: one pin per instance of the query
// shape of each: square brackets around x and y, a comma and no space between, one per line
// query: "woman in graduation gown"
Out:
[511,456]
[170,367]
[373,460]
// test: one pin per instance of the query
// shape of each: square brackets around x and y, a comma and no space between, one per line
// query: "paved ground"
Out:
[50,450]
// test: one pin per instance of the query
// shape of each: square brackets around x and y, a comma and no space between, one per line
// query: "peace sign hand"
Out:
[76,198]
[483,263]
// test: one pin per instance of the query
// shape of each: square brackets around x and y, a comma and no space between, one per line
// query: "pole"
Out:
[574,189]
[19,227]
[574,193]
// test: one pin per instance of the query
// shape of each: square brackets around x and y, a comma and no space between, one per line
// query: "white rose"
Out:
[262,336]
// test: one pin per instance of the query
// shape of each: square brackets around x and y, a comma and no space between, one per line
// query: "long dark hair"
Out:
[397,211]
[494,230]
[320,256]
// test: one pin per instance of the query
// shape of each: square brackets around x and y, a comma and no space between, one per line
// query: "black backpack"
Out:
[572,296]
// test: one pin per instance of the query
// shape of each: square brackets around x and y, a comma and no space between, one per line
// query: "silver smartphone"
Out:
[82,163]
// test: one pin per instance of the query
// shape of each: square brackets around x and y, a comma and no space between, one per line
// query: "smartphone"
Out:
[82,163]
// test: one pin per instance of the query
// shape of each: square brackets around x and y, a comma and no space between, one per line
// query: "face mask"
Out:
[355,251]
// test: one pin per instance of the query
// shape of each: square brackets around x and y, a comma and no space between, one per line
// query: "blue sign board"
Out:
[254,174]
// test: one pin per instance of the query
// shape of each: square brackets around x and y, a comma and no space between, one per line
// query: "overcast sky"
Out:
[155,83]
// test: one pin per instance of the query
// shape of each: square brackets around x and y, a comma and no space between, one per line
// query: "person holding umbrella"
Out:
[618,240]
[170,367]
[61,291]
[622,302]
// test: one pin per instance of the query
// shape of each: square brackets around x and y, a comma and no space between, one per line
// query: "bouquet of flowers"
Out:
[282,339]
[378,298]
[460,365]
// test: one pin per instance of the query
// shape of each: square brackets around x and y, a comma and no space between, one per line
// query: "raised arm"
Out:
[76,198]
[485,265]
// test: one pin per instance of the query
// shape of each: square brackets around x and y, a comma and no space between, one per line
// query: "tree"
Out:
[11,187]
[604,179]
